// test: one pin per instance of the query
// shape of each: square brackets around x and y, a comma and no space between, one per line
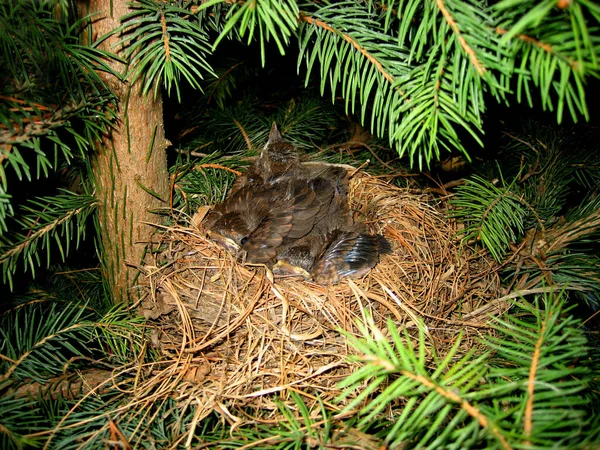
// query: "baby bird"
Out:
[254,221]
[294,216]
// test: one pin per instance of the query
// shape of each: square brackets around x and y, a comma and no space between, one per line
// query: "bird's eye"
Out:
[244,240]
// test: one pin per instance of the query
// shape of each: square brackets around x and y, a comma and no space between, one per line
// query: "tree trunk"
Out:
[129,163]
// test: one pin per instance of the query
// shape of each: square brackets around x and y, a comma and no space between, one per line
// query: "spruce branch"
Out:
[563,256]
[163,44]
[372,59]
[39,123]
[470,51]
[52,99]
[419,104]
[65,332]
[492,215]
[60,219]
[535,360]
[423,85]
[397,368]
[562,236]
[278,20]
[221,88]
[529,383]
[78,330]
[18,418]
[554,51]
[472,410]
[531,40]
[537,355]
[34,352]
[46,359]
[558,248]
[580,14]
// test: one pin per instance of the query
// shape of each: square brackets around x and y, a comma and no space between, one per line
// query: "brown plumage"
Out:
[294,215]
[279,160]
[256,219]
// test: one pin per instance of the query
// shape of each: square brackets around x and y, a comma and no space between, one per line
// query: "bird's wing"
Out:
[304,206]
[241,212]
[310,204]
[350,254]
[211,218]
[253,201]
[267,211]
[261,245]
[294,207]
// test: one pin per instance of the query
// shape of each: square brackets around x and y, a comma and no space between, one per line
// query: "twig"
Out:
[481,70]
[217,166]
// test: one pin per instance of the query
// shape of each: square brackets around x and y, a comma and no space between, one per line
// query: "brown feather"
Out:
[296,215]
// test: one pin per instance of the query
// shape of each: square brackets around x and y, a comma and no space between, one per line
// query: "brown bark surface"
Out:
[130,162]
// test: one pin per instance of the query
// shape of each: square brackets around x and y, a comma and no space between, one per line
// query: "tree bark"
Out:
[130,162]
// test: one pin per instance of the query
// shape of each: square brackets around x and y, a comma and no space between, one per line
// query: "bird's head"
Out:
[230,231]
[278,158]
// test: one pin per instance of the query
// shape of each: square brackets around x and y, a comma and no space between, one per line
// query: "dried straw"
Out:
[233,334]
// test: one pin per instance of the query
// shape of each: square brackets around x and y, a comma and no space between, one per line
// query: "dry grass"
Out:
[232,334]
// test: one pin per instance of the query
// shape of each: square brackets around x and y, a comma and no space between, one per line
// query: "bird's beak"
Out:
[229,244]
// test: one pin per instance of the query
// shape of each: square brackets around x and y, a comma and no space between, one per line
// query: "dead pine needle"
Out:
[256,335]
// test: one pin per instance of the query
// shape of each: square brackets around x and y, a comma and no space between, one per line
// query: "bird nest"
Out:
[234,334]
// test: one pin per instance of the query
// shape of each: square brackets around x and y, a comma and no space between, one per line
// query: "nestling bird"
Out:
[254,221]
[294,216]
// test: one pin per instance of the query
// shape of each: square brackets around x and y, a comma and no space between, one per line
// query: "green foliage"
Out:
[52,100]
[337,54]
[277,20]
[19,418]
[71,285]
[164,45]
[85,425]
[219,90]
[530,391]
[120,336]
[64,333]
[60,219]
[428,81]
[232,130]
[538,356]
[553,49]
[42,351]
[535,205]
[544,163]
[437,405]
[420,74]
[494,215]
[245,127]
[53,108]
[353,51]
[46,340]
